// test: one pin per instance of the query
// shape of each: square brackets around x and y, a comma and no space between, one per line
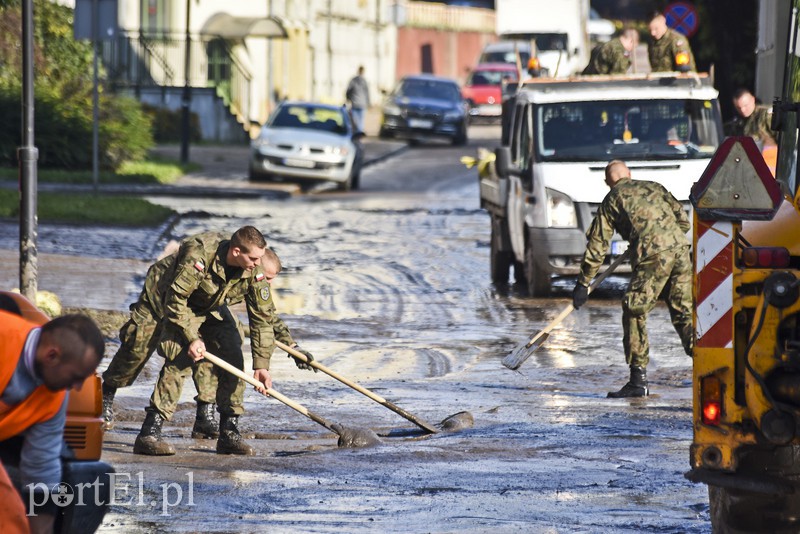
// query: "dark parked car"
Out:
[423,107]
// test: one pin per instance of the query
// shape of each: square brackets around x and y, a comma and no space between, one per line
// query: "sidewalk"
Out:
[224,173]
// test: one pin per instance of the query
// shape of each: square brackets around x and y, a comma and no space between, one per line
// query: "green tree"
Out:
[63,95]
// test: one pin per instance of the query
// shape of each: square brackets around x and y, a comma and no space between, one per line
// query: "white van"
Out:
[561,134]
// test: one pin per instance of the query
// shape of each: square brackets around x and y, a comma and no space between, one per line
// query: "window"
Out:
[155,16]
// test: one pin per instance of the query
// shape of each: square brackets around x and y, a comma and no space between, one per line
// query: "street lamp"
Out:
[28,156]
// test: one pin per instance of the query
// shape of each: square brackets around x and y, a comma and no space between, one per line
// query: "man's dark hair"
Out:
[81,327]
[247,238]
[740,92]
[654,15]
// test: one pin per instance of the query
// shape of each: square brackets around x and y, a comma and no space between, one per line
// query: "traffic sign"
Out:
[682,17]
[737,185]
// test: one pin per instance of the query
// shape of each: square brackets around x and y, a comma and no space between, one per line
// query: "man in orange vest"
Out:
[37,365]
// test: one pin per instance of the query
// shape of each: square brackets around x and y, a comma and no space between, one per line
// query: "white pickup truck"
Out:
[558,136]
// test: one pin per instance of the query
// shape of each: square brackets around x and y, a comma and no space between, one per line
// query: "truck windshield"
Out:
[629,129]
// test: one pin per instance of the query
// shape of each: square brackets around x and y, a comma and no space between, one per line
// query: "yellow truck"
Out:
[746,366]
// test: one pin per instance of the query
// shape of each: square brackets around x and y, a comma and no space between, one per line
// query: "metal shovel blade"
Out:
[524,351]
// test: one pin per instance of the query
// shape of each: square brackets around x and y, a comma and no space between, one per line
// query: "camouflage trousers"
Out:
[670,273]
[139,338]
[222,334]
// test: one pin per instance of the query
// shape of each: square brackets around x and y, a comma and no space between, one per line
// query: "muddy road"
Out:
[389,286]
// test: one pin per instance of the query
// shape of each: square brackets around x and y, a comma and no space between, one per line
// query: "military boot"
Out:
[636,386]
[205,424]
[108,406]
[230,441]
[149,440]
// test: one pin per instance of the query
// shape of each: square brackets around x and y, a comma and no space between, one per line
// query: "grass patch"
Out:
[149,171]
[88,209]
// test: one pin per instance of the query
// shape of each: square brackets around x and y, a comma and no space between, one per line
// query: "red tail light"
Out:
[711,400]
[766,257]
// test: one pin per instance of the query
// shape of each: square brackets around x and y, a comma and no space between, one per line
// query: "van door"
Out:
[520,187]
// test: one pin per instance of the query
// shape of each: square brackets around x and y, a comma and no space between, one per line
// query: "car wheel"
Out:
[536,281]
[500,260]
[460,138]
[346,185]
[384,134]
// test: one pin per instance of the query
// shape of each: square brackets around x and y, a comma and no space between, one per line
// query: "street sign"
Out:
[682,17]
[737,185]
[107,27]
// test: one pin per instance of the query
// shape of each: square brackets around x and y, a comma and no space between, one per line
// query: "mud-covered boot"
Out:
[230,441]
[205,424]
[636,386]
[149,440]
[108,406]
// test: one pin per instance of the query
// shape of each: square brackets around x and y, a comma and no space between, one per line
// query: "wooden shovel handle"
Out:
[374,396]
[219,362]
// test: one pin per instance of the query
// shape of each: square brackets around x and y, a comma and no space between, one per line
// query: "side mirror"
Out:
[502,163]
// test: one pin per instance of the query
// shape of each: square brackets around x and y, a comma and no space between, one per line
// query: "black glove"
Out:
[300,363]
[579,296]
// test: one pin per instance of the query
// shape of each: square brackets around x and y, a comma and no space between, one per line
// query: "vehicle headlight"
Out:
[391,109]
[453,115]
[560,210]
[338,150]
[260,142]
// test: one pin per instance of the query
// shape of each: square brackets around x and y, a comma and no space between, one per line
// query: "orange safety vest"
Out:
[42,404]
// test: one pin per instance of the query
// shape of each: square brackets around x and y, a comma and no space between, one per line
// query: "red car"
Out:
[483,90]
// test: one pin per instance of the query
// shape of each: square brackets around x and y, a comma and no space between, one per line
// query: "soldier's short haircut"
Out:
[740,92]
[67,329]
[271,257]
[631,33]
[612,164]
[248,237]
[654,15]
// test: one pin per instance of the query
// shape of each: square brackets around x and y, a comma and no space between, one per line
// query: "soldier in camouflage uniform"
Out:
[613,57]
[655,224]
[751,119]
[670,50]
[208,275]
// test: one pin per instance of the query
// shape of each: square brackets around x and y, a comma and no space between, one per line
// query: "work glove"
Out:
[300,363]
[579,296]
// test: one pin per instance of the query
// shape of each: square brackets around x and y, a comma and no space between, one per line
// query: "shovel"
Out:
[377,398]
[518,356]
[348,437]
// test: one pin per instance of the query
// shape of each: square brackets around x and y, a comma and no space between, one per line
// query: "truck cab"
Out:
[559,135]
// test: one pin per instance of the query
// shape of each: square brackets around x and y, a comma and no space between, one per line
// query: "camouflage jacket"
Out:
[758,125]
[662,53]
[645,214]
[609,58]
[192,283]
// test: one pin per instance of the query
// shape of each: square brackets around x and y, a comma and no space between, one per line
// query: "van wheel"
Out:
[536,281]
[500,260]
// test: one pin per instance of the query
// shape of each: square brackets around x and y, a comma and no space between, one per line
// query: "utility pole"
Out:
[28,156]
[186,100]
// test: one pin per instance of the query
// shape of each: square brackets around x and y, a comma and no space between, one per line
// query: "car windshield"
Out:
[428,89]
[312,118]
[646,130]
[505,56]
[491,77]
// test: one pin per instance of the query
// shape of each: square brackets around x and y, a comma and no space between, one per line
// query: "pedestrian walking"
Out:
[208,275]
[357,95]
[613,57]
[670,50]
[655,225]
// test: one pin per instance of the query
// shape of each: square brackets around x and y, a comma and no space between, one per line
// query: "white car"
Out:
[308,141]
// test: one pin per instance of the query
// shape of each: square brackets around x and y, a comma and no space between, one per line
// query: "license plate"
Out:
[420,123]
[304,163]
[493,110]
[618,247]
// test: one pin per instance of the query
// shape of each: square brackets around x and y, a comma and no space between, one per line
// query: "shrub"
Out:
[167,124]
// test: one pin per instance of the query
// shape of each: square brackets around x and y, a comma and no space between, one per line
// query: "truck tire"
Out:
[537,281]
[499,260]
